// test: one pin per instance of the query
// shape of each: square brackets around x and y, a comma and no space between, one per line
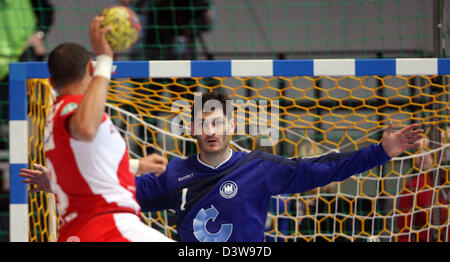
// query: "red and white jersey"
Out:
[88,178]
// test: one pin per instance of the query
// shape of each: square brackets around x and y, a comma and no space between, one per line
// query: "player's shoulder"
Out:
[69,98]
[177,164]
[270,157]
[67,104]
[176,161]
[261,154]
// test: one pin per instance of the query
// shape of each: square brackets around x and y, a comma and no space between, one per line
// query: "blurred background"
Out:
[222,29]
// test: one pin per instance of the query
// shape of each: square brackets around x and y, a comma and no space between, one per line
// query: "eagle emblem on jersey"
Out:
[228,189]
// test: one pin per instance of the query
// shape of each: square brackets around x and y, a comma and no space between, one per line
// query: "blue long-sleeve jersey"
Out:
[230,203]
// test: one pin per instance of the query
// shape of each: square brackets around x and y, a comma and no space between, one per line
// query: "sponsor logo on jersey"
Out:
[69,108]
[228,189]
[180,179]
[131,188]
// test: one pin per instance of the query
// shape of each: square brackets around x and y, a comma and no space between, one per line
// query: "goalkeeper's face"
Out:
[215,132]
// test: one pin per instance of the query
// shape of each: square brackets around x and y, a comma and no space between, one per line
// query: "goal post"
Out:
[304,87]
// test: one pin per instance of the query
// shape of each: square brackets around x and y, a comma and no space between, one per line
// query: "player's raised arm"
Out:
[83,125]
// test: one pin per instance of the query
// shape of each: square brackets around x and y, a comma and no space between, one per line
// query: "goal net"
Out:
[311,107]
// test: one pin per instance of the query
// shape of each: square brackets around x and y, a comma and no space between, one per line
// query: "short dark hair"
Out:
[212,96]
[67,63]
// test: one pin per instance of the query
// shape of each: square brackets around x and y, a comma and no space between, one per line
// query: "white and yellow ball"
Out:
[125,24]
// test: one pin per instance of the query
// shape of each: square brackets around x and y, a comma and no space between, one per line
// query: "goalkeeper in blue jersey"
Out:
[223,195]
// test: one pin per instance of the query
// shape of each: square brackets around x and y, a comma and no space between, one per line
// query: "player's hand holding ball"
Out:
[98,37]
[123,26]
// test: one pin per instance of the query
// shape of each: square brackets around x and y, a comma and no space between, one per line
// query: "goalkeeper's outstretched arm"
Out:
[84,124]
[299,175]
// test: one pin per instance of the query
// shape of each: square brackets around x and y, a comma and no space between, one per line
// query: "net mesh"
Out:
[219,29]
[404,200]
[42,213]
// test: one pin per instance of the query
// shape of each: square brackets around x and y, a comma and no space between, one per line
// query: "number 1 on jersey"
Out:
[183,198]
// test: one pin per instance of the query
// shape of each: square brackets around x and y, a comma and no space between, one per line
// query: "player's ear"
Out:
[193,131]
[91,68]
[52,82]
[196,131]
[231,126]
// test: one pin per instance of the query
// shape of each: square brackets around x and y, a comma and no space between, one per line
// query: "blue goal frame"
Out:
[22,71]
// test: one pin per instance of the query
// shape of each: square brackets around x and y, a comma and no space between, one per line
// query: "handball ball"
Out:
[125,27]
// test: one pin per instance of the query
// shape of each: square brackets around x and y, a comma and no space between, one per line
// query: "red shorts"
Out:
[114,227]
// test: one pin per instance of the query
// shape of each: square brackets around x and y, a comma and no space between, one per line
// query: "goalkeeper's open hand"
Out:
[38,177]
[406,138]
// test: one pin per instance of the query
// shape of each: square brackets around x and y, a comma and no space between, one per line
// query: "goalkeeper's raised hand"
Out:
[406,138]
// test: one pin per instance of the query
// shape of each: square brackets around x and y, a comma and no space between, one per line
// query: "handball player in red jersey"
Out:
[87,159]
